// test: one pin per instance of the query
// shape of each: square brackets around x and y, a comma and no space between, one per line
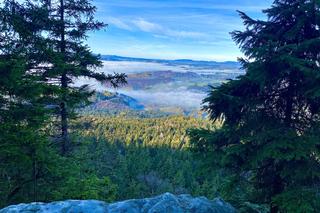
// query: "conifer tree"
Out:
[67,57]
[24,149]
[270,134]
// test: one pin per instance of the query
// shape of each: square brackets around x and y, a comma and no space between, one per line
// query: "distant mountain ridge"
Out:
[177,62]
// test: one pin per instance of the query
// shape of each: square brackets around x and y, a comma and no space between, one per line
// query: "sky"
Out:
[172,29]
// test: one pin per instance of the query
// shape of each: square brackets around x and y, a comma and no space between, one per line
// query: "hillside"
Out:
[103,101]
[115,104]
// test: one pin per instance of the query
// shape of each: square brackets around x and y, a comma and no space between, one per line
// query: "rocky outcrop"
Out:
[167,203]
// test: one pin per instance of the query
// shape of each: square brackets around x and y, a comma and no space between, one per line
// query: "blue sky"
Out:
[172,29]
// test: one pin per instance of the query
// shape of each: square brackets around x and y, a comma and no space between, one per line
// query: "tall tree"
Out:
[270,136]
[24,148]
[67,56]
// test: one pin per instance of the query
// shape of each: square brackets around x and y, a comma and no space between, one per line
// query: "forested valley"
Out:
[47,151]
[256,142]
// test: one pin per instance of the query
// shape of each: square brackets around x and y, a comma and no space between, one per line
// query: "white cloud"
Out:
[118,23]
[148,26]
[159,30]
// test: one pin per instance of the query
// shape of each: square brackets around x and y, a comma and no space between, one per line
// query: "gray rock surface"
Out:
[167,202]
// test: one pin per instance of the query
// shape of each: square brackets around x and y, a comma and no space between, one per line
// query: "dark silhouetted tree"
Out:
[270,134]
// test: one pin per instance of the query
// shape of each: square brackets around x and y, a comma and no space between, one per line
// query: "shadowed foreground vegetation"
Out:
[263,157]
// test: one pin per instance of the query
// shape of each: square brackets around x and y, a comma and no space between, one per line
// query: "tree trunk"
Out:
[289,100]
[64,85]
[277,188]
[64,129]
[274,209]
[34,176]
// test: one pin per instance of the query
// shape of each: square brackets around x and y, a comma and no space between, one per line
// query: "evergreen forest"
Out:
[256,142]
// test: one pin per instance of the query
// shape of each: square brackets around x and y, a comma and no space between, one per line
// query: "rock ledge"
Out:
[167,203]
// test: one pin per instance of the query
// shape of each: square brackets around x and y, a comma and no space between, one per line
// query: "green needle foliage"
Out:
[64,26]
[270,138]
[30,167]
[25,155]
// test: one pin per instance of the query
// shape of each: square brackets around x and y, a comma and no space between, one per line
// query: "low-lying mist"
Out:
[175,92]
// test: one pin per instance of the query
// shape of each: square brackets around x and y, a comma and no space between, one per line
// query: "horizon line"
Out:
[168,59]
